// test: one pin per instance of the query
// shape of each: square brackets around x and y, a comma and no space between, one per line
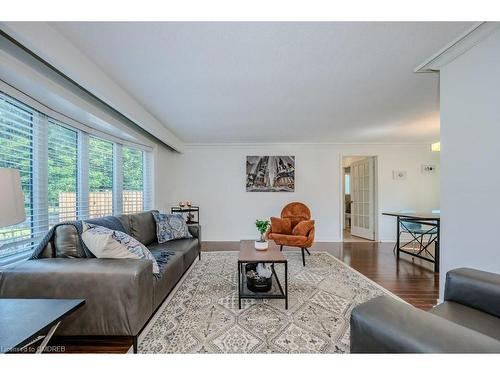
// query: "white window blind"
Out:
[66,174]
[133,180]
[19,142]
[62,173]
[100,177]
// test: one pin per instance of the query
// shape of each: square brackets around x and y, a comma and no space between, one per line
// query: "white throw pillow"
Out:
[113,244]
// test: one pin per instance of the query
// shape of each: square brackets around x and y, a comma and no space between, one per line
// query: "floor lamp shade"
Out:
[11,198]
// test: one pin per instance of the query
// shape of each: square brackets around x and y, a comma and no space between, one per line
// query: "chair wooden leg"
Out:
[307,250]
[303,257]
[281,247]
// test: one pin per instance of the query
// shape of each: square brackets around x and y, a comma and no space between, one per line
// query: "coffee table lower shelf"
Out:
[276,292]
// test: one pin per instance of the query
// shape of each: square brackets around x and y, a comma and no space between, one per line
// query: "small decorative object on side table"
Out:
[262,226]
[186,207]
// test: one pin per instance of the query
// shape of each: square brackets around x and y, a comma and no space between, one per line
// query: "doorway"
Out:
[359,185]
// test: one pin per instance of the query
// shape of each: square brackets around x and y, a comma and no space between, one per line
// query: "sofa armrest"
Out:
[385,325]
[476,289]
[195,230]
[118,292]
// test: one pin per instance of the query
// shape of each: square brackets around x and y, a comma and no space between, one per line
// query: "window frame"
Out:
[41,115]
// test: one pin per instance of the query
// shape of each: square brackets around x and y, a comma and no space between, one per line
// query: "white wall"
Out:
[166,166]
[213,176]
[470,153]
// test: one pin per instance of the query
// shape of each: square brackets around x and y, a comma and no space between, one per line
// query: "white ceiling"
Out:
[276,82]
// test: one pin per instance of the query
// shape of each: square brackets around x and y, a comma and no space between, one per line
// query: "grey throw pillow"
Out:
[170,227]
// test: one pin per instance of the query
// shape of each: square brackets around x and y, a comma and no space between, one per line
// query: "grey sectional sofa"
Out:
[468,321]
[121,294]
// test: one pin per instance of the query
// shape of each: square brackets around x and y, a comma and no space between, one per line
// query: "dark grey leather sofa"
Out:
[121,294]
[467,322]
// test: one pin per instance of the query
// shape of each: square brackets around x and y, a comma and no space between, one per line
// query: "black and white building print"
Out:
[271,173]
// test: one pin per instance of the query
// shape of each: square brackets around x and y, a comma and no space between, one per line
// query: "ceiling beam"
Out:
[457,47]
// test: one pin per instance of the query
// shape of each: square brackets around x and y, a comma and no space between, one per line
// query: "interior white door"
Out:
[362,196]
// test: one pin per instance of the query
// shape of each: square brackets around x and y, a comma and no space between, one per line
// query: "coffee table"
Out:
[271,256]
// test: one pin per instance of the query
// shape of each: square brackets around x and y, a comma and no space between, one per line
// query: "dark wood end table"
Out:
[23,320]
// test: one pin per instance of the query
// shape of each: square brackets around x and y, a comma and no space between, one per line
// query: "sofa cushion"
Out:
[171,275]
[468,317]
[125,220]
[281,226]
[112,244]
[143,227]
[47,252]
[186,251]
[187,247]
[170,227]
[303,228]
[67,243]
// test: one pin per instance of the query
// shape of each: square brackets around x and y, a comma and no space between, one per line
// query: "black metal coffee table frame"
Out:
[283,294]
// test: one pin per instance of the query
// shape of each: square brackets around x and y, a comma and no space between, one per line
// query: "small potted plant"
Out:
[262,226]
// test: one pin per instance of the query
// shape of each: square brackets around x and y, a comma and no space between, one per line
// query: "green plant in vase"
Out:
[262,226]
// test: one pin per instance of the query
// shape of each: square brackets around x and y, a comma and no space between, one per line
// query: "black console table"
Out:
[25,321]
[431,221]
[189,210]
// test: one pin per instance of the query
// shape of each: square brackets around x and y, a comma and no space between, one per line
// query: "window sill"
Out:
[11,260]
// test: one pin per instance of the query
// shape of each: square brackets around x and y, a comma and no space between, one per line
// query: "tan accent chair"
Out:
[294,228]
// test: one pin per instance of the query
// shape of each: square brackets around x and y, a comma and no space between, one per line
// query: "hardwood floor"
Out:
[415,282]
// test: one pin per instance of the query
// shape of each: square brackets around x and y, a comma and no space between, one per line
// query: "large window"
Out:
[62,181]
[100,177]
[133,180]
[16,151]
[67,173]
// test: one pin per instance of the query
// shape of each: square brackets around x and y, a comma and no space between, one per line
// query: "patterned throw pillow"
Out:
[107,243]
[170,227]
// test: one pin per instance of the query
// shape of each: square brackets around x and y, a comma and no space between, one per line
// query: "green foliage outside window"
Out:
[132,169]
[100,164]
[62,159]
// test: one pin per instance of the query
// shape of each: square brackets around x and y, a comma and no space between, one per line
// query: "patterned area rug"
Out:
[201,315]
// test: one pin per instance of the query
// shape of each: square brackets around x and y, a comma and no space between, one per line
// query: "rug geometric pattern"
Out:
[202,315]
